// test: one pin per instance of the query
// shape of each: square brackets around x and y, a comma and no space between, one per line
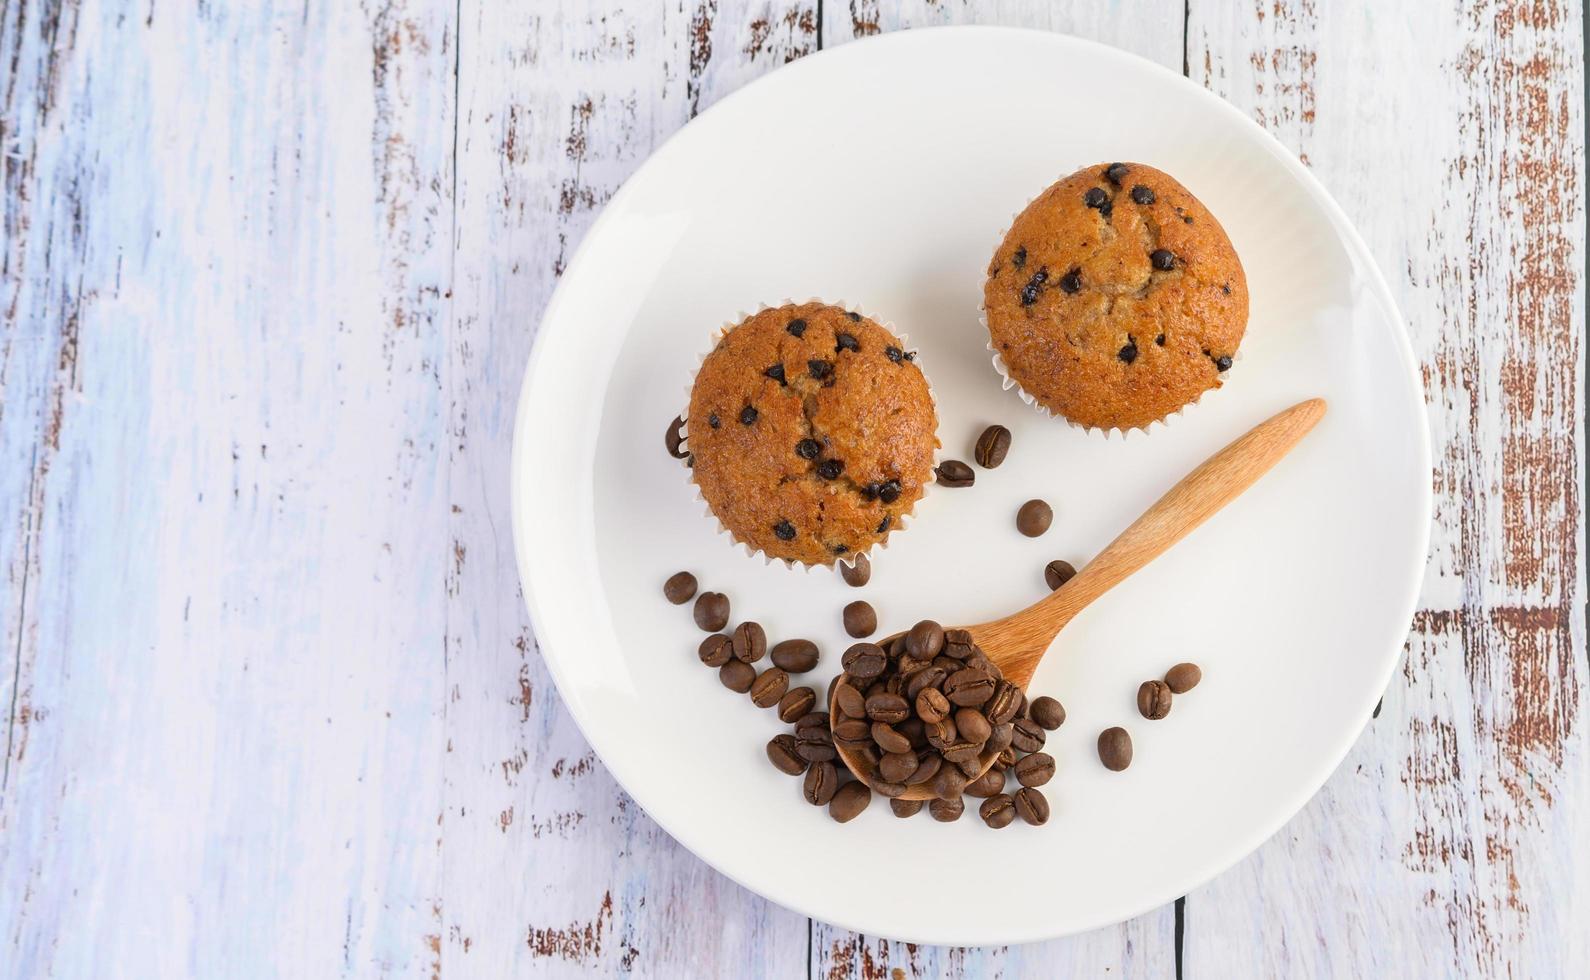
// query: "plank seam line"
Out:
[22,609]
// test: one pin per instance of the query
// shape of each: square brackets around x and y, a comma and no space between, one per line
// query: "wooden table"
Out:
[270,700]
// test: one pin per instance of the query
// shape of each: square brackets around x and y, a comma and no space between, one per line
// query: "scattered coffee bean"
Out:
[1047,712]
[815,745]
[1153,700]
[1028,736]
[996,811]
[860,619]
[769,687]
[849,801]
[675,437]
[905,808]
[715,650]
[864,661]
[712,611]
[680,588]
[750,642]
[954,473]
[973,727]
[849,701]
[1058,573]
[737,676]
[1142,194]
[946,811]
[1032,806]
[989,784]
[1034,518]
[857,573]
[822,781]
[992,446]
[932,706]
[1162,259]
[1183,677]
[1115,172]
[1035,769]
[781,752]
[796,704]
[1115,749]
[795,656]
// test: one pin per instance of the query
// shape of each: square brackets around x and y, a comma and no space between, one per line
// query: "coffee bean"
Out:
[929,677]
[887,708]
[817,719]
[860,619]
[992,446]
[905,808]
[781,752]
[795,656]
[1142,194]
[1183,677]
[737,676]
[972,726]
[954,473]
[852,732]
[674,438]
[949,783]
[712,611]
[680,588]
[932,706]
[1153,700]
[1004,704]
[715,650]
[1115,172]
[769,687]
[1095,197]
[864,661]
[1027,737]
[822,781]
[849,701]
[913,731]
[928,765]
[1032,806]
[750,642]
[784,531]
[947,664]
[969,687]
[1047,712]
[1162,259]
[947,811]
[925,640]
[989,784]
[857,573]
[814,744]
[958,644]
[964,753]
[996,811]
[999,738]
[1006,758]
[848,803]
[1035,769]
[1034,518]
[796,704]
[1058,573]
[888,739]
[1115,749]
[897,767]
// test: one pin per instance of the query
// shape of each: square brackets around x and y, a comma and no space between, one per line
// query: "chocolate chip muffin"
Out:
[812,432]
[1116,298]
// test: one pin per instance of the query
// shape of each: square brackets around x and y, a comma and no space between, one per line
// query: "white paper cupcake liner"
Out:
[903,521]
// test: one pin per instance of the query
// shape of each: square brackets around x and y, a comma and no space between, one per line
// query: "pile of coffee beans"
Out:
[1154,699]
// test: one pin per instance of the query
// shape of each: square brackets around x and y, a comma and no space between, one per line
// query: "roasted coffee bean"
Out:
[852,731]
[849,701]
[963,752]
[992,446]
[822,781]
[979,662]
[869,755]
[897,767]
[1115,749]
[781,752]
[1058,573]
[949,783]
[905,808]
[864,661]
[972,725]
[750,642]
[925,640]
[958,644]
[928,677]
[716,650]
[817,719]
[1032,806]
[1162,259]
[940,734]
[908,666]
[675,437]
[737,676]
[857,573]
[1142,194]
[1035,769]
[769,687]
[969,687]
[996,811]
[814,744]
[928,766]
[795,656]
[1004,704]
[1028,736]
[887,789]
[1047,712]
[912,729]
[849,801]
[887,708]
[1006,757]
[1153,700]
[990,783]
[999,738]
[711,611]
[1183,677]
[947,811]
[860,619]
[932,706]
[796,704]
[954,473]
[888,739]
[970,767]
[680,588]
[1034,518]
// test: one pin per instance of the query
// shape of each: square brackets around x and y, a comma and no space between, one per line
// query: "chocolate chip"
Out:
[905,808]
[1142,194]
[784,530]
[894,354]
[889,492]
[776,372]
[1115,171]
[796,327]
[848,803]
[1058,573]
[1153,700]
[1047,712]
[1034,518]
[819,369]
[1035,769]
[864,661]
[1071,282]
[1129,352]
[796,704]
[1160,340]
[1029,292]
[808,449]
[1226,289]
[1162,259]
[1095,197]
[860,619]
[781,752]
[883,526]
[1032,806]
[747,415]
[673,438]
[1183,677]
[1107,210]
[716,650]
[822,781]
[946,811]
[1019,257]
[1115,749]
[737,676]
[858,573]
[680,588]
[795,656]
[954,473]
[997,811]
[711,611]
[845,341]
[855,317]
[829,469]
[769,687]
[750,642]
[1223,363]
[712,420]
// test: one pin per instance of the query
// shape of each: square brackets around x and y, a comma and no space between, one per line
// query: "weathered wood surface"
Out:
[269,699]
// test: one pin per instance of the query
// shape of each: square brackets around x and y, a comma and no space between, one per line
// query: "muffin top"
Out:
[812,432]
[1116,298]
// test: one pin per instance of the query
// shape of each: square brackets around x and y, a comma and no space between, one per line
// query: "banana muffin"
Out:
[812,432]
[1116,298]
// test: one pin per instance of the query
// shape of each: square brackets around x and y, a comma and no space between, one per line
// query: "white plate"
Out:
[882,174]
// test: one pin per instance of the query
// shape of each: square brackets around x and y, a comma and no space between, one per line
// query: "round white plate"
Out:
[882,174]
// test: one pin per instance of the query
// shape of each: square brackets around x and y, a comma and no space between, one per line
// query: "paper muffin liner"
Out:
[1032,400]
[903,521]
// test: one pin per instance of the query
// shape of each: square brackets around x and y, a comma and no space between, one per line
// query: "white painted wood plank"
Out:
[1450,841]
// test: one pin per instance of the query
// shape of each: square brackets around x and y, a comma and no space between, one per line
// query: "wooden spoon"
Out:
[1018,642]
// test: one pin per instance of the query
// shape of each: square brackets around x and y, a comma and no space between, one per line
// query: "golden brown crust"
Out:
[868,408]
[1132,343]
